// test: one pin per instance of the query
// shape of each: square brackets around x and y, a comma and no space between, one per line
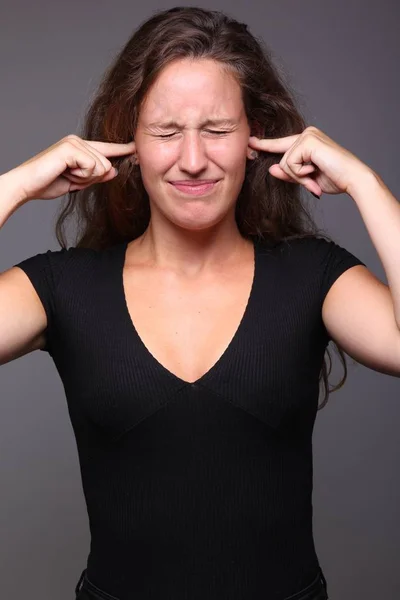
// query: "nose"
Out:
[192,153]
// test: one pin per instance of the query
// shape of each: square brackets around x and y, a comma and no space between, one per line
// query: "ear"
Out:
[133,157]
[256,129]
[251,153]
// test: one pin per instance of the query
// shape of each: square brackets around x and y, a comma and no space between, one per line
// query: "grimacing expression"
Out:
[192,126]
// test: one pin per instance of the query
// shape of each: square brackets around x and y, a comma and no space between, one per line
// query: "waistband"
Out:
[304,594]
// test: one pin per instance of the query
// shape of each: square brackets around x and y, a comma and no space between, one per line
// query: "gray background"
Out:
[342,58]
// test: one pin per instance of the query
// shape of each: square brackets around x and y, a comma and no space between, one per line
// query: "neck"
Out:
[191,252]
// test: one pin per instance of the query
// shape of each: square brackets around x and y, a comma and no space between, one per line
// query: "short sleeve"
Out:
[333,261]
[45,271]
[318,263]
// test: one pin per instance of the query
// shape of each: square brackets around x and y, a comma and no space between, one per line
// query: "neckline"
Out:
[157,365]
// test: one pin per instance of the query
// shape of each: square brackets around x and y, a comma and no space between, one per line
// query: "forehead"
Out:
[190,90]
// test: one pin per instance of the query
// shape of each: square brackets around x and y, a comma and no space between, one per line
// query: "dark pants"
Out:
[86,590]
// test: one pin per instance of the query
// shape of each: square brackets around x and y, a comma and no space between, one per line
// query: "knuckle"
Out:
[101,169]
[71,136]
[90,166]
[70,143]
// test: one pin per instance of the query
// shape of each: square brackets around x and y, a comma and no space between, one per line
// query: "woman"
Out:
[190,321]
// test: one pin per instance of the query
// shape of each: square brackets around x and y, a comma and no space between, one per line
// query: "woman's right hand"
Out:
[70,164]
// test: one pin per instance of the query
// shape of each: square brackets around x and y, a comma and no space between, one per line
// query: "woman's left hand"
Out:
[314,160]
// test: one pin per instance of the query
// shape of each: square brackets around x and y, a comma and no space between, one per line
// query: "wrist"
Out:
[10,190]
[365,179]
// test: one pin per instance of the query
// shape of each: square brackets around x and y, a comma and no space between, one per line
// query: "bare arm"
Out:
[10,199]
[22,316]
[68,165]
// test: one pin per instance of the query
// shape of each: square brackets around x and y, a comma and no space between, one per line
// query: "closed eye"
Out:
[209,131]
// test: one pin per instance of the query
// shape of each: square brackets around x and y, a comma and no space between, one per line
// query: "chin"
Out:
[196,220]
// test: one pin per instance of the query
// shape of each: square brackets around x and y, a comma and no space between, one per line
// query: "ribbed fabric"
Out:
[197,491]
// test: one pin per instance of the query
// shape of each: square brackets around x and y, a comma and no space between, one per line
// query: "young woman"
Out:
[190,320]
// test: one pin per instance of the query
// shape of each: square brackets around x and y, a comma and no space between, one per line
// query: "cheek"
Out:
[228,155]
[156,162]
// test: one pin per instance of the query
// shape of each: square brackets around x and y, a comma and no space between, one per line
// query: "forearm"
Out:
[380,211]
[10,199]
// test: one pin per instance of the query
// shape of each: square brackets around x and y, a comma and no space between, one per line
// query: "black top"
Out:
[194,490]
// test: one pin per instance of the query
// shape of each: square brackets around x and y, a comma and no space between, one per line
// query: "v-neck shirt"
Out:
[130,325]
[194,490]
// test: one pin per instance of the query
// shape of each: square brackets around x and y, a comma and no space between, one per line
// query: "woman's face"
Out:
[193,127]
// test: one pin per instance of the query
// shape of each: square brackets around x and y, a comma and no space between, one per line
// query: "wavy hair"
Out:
[267,208]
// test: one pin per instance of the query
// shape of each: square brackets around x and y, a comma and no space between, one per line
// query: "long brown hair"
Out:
[267,208]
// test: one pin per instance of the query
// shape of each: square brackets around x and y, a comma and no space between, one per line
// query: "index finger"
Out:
[112,148]
[273,144]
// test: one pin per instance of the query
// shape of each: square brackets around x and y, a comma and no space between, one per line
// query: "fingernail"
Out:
[116,171]
[315,195]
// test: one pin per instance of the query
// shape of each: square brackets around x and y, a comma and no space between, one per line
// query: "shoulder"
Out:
[316,251]
[57,259]
[309,260]
[49,267]
[297,248]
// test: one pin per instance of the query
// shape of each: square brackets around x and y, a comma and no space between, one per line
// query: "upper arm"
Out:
[358,314]
[23,319]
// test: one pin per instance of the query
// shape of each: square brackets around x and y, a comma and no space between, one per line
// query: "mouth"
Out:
[194,189]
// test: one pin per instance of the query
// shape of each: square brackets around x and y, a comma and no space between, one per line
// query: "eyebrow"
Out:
[212,122]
